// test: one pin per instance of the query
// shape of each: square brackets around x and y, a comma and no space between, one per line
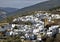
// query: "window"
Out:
[41,31]
[50,30]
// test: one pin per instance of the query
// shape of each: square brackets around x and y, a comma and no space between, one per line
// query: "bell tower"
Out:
[45,21]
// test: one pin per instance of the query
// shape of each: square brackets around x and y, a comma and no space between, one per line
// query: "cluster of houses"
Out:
[37,31]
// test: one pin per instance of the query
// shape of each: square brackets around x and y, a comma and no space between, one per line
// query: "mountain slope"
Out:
[44,5]
[40,6]
[8,9]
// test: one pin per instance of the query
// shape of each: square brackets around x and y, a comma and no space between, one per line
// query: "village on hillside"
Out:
[35,28]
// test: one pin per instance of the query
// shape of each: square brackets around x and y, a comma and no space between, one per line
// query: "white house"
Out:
[36,31]
[52,30]
[59,30]
[9,33]
[14,20]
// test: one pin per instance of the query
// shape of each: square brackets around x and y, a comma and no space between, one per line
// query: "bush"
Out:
[11,39]
[51,39]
